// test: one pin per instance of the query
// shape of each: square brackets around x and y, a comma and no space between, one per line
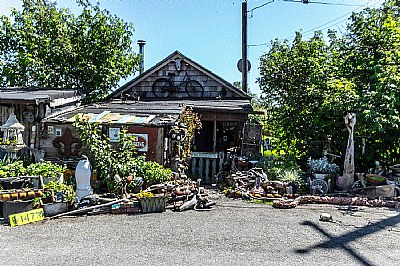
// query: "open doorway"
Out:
[228,135]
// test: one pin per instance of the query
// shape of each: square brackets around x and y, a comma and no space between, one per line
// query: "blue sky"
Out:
[209,31]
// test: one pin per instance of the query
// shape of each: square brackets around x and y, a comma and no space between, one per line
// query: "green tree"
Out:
[237,84]
[309,85]
[372,61]
[46,46]
[294,80]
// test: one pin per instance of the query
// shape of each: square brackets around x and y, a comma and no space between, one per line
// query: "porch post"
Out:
[215,133]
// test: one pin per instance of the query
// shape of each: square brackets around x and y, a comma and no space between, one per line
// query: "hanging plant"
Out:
[191,121]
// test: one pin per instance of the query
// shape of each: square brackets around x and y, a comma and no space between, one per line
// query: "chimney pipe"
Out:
[141,52]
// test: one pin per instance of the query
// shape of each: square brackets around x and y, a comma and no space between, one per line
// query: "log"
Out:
[88,209]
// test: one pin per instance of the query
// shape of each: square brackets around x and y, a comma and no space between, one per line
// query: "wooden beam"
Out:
[215,133]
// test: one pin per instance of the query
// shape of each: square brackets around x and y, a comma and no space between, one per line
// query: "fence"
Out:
[205,165]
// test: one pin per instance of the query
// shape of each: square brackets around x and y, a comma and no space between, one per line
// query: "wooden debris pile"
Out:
[178,196]
[252,184]
[183,195]
[353,201]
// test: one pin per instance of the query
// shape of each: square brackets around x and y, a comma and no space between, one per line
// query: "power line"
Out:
[304,2]
[251,10]
[319,27]
[320,3]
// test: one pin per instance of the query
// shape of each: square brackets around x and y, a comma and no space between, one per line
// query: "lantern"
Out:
[12,134]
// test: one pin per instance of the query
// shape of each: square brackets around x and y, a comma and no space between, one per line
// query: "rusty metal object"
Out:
[71,145]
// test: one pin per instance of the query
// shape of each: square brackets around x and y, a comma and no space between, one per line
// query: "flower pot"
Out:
[22,195]
[55,208]
[31,194]
[321,176]
[47,200]
[153,204]
[14,196]
[12,183]
[13,207]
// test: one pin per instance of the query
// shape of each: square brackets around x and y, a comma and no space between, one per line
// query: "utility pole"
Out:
[244,45]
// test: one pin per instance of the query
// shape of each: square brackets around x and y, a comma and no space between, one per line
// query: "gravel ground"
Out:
[232,233]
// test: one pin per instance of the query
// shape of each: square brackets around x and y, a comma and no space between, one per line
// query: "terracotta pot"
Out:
[47,200]
[6,197]
[31,194]
[38,193]
[14,196]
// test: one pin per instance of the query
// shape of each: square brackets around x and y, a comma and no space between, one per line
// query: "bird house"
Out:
[12,134]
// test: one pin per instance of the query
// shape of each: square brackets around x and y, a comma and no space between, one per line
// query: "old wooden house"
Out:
[148,122]
[151,103]
[31,105]
[224,109]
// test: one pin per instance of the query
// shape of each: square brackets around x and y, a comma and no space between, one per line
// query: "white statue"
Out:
[83,174]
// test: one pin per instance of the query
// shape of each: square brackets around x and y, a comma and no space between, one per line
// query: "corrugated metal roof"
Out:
[117,112]
[35,95]
[149,112]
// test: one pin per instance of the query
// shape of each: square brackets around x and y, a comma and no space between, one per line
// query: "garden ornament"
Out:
[83,174]
[346,181]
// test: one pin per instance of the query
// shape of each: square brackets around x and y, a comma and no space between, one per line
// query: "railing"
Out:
[205,165]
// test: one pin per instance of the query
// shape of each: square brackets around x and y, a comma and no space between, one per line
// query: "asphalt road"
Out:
[233,233]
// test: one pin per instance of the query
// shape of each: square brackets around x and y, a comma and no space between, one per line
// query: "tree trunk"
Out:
[349,169]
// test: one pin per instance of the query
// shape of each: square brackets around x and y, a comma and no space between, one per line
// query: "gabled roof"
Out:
[161,64]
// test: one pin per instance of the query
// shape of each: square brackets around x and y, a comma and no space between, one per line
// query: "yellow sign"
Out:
[26,217]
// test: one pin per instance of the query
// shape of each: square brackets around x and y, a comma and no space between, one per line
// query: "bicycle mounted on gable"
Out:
[165,87]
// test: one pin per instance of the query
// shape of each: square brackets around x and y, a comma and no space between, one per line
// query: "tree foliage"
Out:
[47,46]
[308,86]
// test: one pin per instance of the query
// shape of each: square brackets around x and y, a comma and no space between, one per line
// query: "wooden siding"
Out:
[155,140]
[46,141]
[212,88]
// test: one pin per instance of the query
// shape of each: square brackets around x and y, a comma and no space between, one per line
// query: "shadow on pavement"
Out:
[341,242]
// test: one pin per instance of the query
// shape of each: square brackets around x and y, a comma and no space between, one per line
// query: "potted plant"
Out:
[151,203]
[47,170]
[10,173]
[57,196]
[292,179]
[324,173]
[322,167]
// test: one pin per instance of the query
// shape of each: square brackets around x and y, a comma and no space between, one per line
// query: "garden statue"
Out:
[178,135]
[83,174]
[346,181]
